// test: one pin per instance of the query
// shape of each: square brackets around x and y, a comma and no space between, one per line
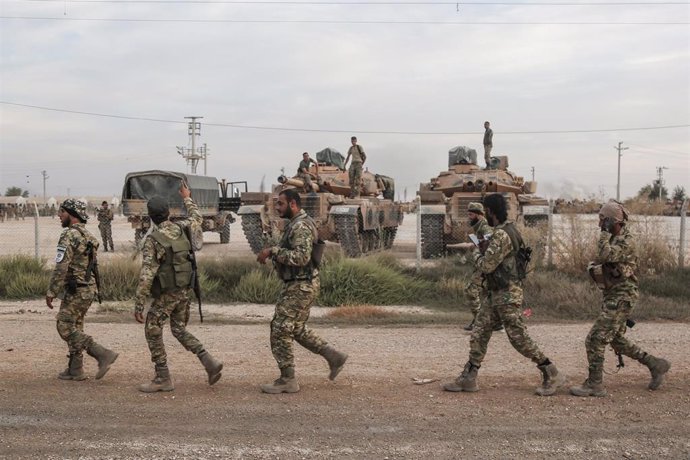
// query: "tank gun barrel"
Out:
[299,183]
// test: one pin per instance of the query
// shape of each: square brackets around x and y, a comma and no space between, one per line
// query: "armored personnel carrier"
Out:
[444,199]
[210,195]
[360,225]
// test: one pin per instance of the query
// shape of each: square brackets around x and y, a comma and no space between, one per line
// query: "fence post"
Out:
[36,233]
[681,246]
[418,239]
[549,254]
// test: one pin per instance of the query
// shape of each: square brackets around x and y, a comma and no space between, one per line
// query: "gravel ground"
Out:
[373,409]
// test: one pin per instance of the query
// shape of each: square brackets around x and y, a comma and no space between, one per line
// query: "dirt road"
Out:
[373,410]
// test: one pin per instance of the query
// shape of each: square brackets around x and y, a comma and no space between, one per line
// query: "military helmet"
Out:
[158,209]
[75,208]
[476,208]
[615,210]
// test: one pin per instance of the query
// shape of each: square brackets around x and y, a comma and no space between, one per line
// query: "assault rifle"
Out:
[196,286]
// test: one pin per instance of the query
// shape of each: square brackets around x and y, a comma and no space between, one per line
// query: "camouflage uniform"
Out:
[474,288]
[488,145]
[306,177]
[298,294]
[105,217]
[72,260]
[173,305]
[355,171]
[505,304]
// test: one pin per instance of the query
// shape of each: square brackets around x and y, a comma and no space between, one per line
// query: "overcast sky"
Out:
[344,69]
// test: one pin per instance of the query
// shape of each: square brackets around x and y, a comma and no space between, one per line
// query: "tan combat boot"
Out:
[161,382]
[75,369]
[552,381]
[593,386]
[466,381]
[287,383]
[336,360]
[212,366]
[658,367]
[104,357]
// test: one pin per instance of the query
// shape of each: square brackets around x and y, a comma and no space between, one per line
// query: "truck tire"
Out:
[251,225]
[225,232]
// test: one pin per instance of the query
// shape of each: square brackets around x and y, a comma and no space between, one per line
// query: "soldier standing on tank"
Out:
[303,171]
[488,143]
[75,278]
[166,275]
[499,265]
[105,217]
[297,269]
[617,254]
[356,152]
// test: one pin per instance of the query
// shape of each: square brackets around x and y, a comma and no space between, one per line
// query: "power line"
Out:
[315,130]
[660,150]
[373,22]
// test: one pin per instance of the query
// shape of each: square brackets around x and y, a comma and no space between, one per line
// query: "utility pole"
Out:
[660,180]
[193,154]
[532,173]
[45,177]
[618,184]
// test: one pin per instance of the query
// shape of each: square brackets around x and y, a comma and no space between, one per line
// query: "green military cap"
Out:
[75,208]
[475,207]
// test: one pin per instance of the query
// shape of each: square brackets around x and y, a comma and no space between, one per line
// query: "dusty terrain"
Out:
[373,409]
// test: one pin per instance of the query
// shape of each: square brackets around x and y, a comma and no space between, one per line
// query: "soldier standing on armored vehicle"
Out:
[76,276]
[105,217]
[617,256]
[488,143]
[298,269]
[498,262]
[355,172]
[166,274]
[303,171]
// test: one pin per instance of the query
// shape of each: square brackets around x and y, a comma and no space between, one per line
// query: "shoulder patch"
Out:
[60,254]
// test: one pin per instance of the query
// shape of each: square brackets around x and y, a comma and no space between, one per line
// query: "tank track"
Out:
[432,236]
[251,226]
[388,237]
[225,233]
[347,229]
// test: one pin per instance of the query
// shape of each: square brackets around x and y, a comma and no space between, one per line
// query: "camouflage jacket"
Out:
[72,258]
[104,216]
[482,228]
[620,252]
[294,251]
[499,250]
[153,253]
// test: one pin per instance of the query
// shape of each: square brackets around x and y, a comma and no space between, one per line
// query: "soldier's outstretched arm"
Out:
[193,215]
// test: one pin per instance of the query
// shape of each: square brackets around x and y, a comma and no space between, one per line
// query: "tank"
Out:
[210,195]
[360,225]
[444,199]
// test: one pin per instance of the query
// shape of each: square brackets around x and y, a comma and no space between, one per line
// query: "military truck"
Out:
[360,225]
[444,199]
[215,199]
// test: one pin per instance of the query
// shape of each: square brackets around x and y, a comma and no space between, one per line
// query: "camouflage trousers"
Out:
[106,235]
[487,154]
[355,174]
[290,321]
[307,181]
[474,293]
[173,306]
[609,328]
[510,316]
[70,319]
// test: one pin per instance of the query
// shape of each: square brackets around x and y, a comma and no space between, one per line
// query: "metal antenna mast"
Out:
[618,184]
[192,154]
[660,180]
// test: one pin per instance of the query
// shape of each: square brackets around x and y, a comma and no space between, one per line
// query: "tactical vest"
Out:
[290,272]
[507,269]
[175,272]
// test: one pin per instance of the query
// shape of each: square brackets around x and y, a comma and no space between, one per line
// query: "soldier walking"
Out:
[356,152]
[498,262]
[298,270]
[166,274]
[105,218]
[617,261]
[74,277]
